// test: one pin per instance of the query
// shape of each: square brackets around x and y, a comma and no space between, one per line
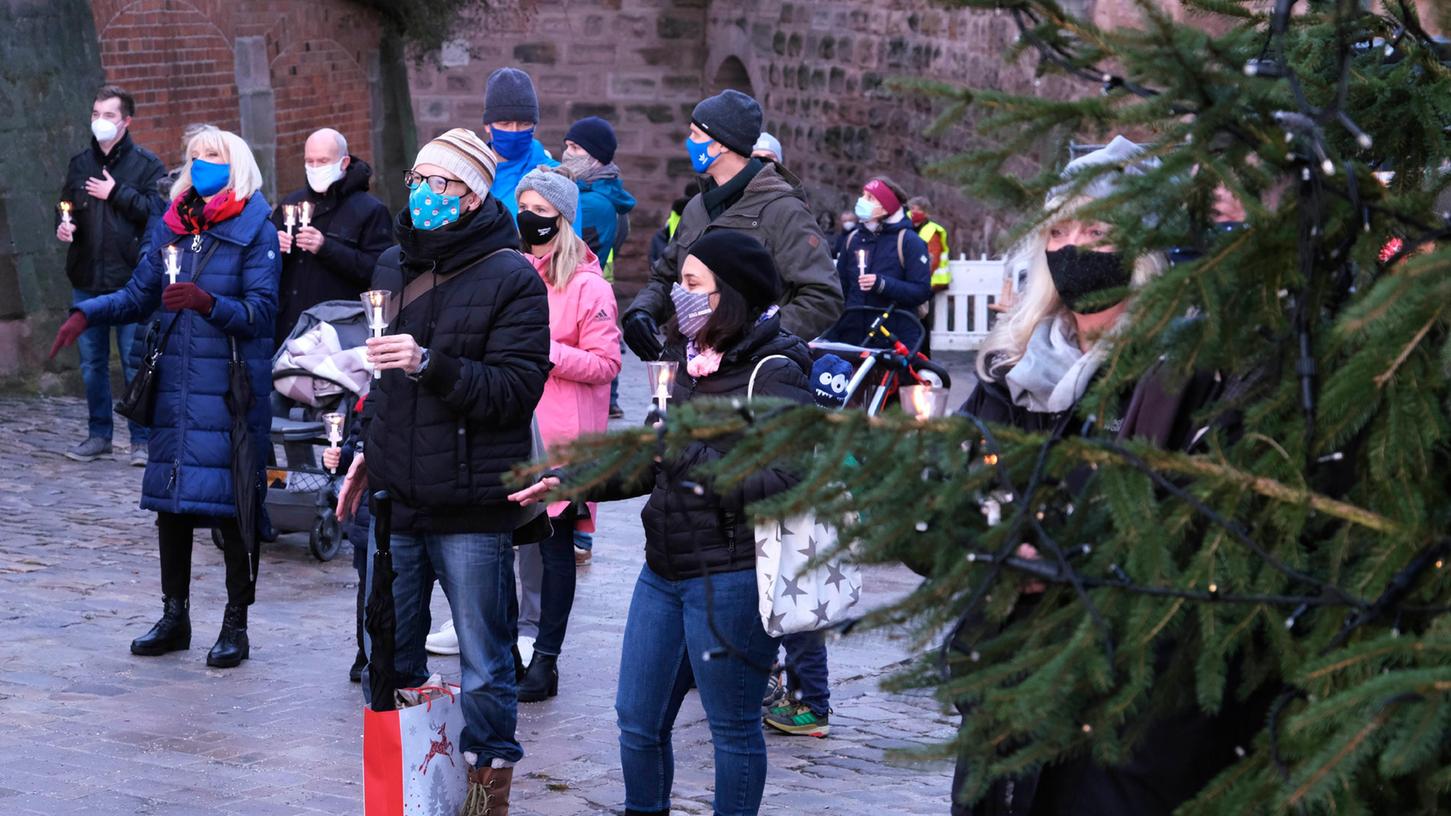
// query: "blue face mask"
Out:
[512,145]
[432,210]
[700,157]
[208,178]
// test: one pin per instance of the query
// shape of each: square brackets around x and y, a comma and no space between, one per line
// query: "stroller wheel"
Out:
[326,538]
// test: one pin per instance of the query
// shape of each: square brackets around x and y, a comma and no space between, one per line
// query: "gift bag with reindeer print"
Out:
[412,763]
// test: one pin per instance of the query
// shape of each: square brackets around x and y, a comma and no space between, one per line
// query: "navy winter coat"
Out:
[190,446]
[906,282]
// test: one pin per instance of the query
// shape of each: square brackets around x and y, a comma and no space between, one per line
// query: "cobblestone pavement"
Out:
[86,728]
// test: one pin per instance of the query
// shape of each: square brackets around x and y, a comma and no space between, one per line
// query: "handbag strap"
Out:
[423,284]
[751,386]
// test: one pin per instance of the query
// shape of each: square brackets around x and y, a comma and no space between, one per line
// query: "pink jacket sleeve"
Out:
[597,359]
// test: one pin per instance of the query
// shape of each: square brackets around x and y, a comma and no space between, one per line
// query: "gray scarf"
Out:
[1054,372]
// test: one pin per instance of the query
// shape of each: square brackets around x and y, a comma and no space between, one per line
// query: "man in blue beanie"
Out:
[742,193]
[511,112]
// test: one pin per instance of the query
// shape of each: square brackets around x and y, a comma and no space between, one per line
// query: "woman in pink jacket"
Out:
[585,349]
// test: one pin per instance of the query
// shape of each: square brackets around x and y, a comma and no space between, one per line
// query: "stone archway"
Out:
[731,73]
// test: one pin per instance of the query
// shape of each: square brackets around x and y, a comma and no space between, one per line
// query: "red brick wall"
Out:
[177,58]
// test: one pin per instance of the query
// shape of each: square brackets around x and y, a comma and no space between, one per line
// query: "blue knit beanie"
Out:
[509,97]
[596,137]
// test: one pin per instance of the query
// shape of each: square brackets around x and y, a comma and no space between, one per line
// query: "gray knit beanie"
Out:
[510,97]
[559,190]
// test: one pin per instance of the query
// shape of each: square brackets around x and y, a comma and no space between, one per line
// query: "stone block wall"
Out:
[636,63]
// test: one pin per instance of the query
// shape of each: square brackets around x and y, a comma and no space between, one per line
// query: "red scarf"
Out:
[190,215]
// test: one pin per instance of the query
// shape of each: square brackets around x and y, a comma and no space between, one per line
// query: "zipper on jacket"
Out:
[175,472]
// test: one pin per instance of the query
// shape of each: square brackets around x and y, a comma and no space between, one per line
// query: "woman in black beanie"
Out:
[725,331]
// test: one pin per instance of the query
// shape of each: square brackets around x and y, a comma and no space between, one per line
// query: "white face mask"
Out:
[321,178]
[104,130]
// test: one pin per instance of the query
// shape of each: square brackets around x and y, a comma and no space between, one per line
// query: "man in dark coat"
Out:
[751,195]
[332,258]
[463,367]
[110,191]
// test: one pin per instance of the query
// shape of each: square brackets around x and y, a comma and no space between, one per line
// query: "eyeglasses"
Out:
[438,184]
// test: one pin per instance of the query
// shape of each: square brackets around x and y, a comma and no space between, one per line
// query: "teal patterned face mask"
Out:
[432,210]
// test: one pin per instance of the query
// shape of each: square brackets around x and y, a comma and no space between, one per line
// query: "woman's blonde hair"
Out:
[1005,344]
[569,251]
[245,178]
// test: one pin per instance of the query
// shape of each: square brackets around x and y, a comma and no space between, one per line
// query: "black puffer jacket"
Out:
[109,231]
[686,534]
[356,229]
[442,445]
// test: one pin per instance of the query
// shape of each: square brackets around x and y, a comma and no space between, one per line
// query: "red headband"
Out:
[883,194]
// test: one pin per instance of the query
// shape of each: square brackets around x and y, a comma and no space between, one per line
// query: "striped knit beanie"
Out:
[461,152]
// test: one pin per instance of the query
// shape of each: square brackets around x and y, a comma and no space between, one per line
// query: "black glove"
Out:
[642,335]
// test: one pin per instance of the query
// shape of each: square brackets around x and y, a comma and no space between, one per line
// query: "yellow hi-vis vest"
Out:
[940,276]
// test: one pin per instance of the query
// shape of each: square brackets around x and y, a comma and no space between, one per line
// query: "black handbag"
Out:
[139,401]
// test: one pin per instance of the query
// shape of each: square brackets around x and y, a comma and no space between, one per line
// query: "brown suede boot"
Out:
[488,792]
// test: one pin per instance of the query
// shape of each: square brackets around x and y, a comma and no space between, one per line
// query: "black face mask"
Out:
[537,229]
[1085,278]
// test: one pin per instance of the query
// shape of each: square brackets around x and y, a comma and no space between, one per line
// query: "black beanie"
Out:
[731,118]
[596,137]
[742,262]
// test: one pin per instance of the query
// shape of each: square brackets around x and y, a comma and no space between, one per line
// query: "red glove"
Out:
[180,296]
[70,331]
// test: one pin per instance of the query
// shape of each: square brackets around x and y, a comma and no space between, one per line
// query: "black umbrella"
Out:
[379,616]
[246,479]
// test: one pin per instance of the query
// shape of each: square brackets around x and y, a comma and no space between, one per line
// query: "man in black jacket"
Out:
[332,258]
[108,196]
[463,365]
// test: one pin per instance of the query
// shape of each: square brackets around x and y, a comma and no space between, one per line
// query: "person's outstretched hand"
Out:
[70,332]
[355,486]
[641,335]
[187,295]
[534,492]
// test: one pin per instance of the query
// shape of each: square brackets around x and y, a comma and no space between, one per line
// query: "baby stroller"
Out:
[883,360]
[319,369]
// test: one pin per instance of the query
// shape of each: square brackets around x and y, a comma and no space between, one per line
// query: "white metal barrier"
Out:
[960,316]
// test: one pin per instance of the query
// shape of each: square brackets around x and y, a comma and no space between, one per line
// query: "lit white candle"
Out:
[289,218]
[304,213]
[861,261]
[65,213]
[334,423]
[173,264]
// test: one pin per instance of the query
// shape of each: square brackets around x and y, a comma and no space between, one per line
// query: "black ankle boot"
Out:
[360,662]
[541,681]
[170,634]
[519,667]
[231,647]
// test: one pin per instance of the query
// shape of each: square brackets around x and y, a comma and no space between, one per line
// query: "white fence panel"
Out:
[961,317]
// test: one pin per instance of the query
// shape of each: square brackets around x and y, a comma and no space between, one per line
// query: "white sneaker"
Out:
[526,649]
[444,641]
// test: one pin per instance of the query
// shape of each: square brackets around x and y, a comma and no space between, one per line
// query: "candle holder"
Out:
[334,425]
[173,264]
[660,374]
[924,402]
[380,306]
[65,213]
[289,219]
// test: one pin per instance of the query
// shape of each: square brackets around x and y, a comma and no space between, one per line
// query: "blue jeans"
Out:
[666,640]
[556,587]
[806,670]
[94,346]
[476,571]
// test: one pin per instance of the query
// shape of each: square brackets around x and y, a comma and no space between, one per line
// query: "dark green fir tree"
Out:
[1297,556]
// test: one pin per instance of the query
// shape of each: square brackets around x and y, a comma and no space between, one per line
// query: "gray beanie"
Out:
[772,144]
[1120,152]
[509,97]
[559,190]
[731,118]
